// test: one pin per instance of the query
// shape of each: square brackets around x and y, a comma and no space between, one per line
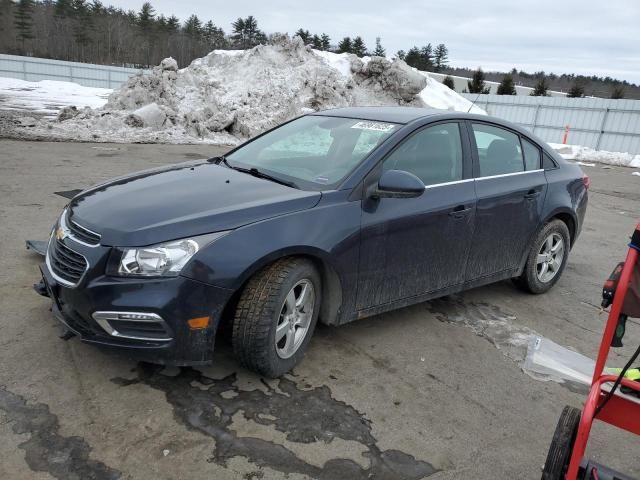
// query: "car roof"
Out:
[391,114]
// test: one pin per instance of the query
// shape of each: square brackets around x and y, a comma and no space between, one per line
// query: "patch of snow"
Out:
[636,174]
[581,154]
[228,96]
[48,96]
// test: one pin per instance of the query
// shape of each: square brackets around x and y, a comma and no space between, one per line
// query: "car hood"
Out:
[182,201]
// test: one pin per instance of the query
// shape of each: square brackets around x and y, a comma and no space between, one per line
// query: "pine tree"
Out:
[63,8]
[359,47]
[193,26]
[413,57]
[213,36]
[441,57]
[426,62]
[146,18]
[83,24]
[617,91]
[173,24]
[379,51]
[345,45]
[304,35]
[540,89]
[477,84]
[246,33]
[448,81]
[23,20]
[401,54]
[325,42]
[576,90]
[315,41]
[506,86]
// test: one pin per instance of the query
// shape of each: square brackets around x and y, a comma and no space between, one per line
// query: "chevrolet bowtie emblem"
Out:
[60,233]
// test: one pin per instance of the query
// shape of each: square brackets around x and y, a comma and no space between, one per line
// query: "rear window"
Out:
[499,150]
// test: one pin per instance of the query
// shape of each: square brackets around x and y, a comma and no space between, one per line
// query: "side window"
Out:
[531,155]
[433,154]
[548,163]
[499,150]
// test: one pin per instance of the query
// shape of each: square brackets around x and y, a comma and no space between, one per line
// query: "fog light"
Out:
[200,322]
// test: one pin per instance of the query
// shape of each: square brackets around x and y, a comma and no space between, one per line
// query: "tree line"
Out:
[575,86]
[90,31]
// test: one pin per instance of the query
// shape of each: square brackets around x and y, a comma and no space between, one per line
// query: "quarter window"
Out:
[499,150]
[434,155]
[531,155]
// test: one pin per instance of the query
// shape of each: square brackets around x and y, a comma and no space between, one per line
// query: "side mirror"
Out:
[397,184]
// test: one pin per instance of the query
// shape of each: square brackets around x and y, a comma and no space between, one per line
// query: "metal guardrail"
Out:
[599,123]
[87,74]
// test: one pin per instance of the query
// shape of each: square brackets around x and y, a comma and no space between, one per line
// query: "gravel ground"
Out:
[408,394]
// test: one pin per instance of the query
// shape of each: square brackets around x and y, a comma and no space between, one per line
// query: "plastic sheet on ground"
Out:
[548,361]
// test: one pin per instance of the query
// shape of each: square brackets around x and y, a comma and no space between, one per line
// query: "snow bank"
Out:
[586,154]
[47,97]
[228,96]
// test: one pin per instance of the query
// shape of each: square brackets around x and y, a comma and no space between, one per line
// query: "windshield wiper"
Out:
[260,174]
[252,171]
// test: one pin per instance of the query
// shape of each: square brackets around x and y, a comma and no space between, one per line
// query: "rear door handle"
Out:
[460,211]
[532,194]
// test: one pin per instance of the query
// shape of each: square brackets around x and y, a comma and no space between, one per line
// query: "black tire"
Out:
[529,281]
[555,467]
[258,313]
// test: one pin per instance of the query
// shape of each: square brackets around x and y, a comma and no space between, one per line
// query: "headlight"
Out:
[164,259]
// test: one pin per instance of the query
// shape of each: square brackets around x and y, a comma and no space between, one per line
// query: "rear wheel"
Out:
[276,316]
[547,258]
[561,447]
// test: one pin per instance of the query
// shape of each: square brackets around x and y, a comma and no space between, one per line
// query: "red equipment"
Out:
[565,458]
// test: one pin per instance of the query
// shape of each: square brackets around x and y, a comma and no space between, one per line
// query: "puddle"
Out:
[46,450]
[304,416]
[488,322]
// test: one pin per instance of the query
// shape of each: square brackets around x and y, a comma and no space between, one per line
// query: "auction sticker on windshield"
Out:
[377,126]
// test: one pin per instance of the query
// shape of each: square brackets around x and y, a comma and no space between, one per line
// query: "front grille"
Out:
[82,234]
[65,263]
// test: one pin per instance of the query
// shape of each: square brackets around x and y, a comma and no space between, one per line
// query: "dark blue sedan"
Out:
[335,216]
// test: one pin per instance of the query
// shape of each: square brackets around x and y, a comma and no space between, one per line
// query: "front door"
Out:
[411,246]
[510,186]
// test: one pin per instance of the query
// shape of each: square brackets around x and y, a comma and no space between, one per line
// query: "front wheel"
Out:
[276,316]
[547,258]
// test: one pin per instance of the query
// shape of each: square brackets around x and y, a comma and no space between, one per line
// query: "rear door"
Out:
[411,246]
[510,193]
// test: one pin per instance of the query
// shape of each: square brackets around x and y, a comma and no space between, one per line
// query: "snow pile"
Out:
[228,96]
[586,154]
[47,96]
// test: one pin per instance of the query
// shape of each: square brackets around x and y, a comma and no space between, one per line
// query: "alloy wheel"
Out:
[549,259]
[295,318]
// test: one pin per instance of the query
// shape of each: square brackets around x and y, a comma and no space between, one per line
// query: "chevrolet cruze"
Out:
[331,217]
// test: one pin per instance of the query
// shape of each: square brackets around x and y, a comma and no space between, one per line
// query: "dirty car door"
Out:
[411,246]
[511,195]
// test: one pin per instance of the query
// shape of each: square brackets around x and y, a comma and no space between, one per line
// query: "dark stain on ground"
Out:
[305,416]
[68,193]
[195,156]
[65,458]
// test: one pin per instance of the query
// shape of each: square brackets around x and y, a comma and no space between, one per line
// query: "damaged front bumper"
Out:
[144,319]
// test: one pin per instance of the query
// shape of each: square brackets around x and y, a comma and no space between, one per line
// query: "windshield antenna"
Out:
[474,102]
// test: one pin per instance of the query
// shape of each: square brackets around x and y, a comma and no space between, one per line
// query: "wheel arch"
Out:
[332,284]
[567,216]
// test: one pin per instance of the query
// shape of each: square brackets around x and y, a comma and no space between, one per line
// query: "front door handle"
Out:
[532,194]
[460,211]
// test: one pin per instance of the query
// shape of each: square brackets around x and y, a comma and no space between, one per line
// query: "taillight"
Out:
[585,181]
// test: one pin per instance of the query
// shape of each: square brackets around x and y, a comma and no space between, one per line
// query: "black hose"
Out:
[617,382]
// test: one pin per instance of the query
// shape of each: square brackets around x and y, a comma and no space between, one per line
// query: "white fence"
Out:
[87,74]
[599,123]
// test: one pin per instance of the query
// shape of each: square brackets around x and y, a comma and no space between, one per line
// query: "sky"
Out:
[561,36]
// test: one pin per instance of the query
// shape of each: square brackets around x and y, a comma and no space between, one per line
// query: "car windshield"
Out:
[313,151]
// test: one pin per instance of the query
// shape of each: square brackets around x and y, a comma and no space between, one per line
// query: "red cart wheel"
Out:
[561,447]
